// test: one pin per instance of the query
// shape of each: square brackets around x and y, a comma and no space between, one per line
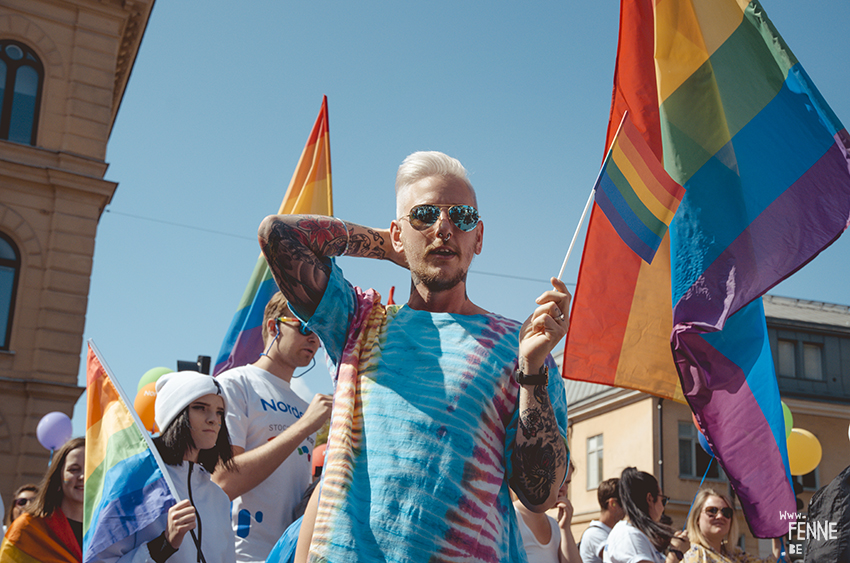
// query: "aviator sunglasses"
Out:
[712,511]
[465,217]
[302,327]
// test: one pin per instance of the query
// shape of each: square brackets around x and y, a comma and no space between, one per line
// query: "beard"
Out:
[436,283]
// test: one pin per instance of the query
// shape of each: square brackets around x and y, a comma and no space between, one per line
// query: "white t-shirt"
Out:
[260,406]
[627,544]
[536,551]
[592,541]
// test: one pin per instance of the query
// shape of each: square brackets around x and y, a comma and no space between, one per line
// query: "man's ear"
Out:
[650,500]
[395,237]
[479,234]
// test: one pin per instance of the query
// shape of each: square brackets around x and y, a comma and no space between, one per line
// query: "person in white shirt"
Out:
[594,537]
[640,537]
[273,434]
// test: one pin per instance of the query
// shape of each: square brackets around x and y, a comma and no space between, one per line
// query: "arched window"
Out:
[21,79]
[10,265]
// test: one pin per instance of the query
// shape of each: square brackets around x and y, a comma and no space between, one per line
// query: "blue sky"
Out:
[221,100]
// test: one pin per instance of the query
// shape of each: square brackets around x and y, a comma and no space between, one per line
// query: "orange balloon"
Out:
[144,405]
[804,451]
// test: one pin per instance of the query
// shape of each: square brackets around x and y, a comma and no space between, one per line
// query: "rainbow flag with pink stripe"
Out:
[125,487]
[725,104]
[310,192]
[636,193]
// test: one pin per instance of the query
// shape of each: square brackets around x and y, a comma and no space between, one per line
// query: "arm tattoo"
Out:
[539,450]
[295,247]
[361,245]
[294,250]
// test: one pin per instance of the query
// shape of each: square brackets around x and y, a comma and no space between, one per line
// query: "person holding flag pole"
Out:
[141,505]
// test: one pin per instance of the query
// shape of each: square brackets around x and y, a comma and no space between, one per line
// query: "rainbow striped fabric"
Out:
[31,539]
[310,192]
[636,193]
[740,125]
[125,489]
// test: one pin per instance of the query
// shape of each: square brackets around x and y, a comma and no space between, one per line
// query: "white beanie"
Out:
[177,390]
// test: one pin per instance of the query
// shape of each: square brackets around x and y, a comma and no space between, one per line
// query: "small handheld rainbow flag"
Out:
[310,191]
[636,193]
[125,488]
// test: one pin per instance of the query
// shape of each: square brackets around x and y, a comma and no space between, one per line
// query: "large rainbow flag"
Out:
[310,192]
[125,488]
[722,100]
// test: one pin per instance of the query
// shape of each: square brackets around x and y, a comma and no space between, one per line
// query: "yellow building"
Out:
[64,67]
[612,428]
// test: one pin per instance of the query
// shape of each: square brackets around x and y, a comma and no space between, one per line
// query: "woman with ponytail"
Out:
[640,537]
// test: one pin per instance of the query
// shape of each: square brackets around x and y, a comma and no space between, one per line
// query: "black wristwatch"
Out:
[539,378]
[679,555]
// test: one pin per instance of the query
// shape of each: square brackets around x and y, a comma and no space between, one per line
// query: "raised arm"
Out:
[296,246]
[540,454]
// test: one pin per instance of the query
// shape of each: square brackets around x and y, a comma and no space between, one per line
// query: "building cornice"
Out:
[606,401]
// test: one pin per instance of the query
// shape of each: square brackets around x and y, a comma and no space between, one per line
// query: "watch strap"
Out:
[539,378]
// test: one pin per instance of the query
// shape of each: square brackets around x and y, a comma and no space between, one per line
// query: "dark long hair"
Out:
[50,494]
[177,440]
[634,487]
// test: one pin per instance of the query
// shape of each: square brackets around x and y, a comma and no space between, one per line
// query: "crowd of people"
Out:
[447,425]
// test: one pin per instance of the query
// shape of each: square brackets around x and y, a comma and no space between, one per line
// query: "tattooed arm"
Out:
[540,454]
[295,247]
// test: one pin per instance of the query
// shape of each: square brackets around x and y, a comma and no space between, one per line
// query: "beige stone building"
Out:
[64,67]
[612,428]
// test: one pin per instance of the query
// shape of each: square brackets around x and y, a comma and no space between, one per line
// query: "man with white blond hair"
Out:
[440,405]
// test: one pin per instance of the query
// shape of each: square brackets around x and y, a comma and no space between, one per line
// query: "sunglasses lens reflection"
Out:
[464,216]
[423,216]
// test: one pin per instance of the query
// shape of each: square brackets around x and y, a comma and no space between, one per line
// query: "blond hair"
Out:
[695,535]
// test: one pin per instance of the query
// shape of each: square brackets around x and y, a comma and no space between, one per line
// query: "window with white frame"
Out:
[594,461]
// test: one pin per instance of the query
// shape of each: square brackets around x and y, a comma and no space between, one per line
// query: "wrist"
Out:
[677,553]
[538,377]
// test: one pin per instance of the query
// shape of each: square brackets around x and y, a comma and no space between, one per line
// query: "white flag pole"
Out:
[137,420]
[591,197]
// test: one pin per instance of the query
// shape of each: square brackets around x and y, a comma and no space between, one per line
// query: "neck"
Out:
[715,543]
[191,455]
[452,300]
[72,510]
[272,364]
[608,519]
[527,514]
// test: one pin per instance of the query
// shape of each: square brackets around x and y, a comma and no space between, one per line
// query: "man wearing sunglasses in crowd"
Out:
[272,432]
[438,403]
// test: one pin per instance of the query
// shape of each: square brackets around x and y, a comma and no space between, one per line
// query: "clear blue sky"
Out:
[222,98]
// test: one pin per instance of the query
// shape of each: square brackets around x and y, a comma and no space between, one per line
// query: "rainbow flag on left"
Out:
[636,193]
[310,192]
[125,488]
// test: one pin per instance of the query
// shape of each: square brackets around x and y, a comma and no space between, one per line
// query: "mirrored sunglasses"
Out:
[712,511]
[664,499]
[465,217]
[302,327]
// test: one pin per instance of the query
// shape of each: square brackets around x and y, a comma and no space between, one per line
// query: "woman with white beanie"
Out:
[189,409]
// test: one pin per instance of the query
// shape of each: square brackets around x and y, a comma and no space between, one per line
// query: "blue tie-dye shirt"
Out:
[424,420]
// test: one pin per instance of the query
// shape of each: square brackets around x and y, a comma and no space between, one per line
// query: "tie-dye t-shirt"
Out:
[424,418]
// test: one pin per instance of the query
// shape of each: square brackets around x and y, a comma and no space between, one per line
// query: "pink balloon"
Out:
[53,430]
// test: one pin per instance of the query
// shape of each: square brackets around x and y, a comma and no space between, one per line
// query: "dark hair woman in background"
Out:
[640,537]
